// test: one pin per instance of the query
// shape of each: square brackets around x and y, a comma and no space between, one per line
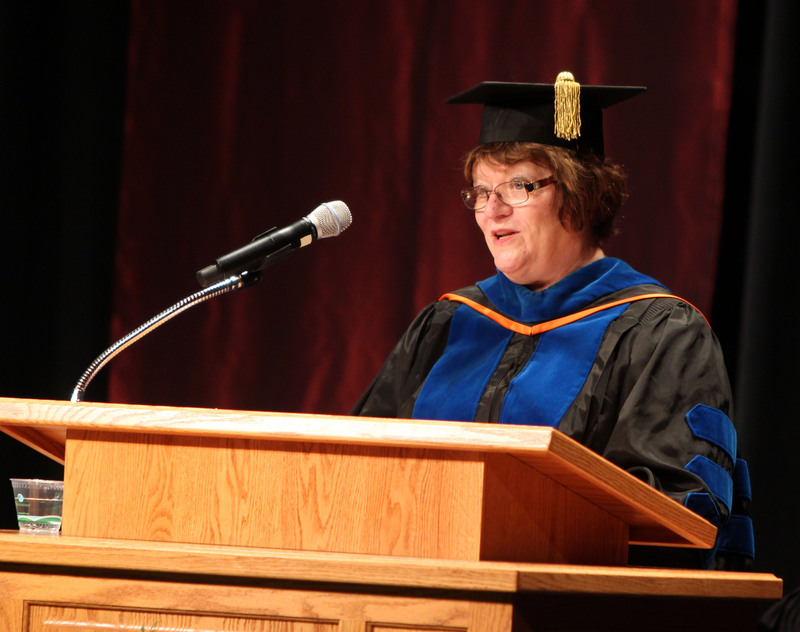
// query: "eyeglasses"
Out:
[514,192]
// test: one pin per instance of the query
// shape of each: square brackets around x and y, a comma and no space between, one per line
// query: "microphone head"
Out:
[330,219]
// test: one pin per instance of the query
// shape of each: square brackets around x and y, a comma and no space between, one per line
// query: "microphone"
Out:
[327,220]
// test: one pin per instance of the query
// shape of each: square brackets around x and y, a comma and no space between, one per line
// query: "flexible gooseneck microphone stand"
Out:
[237,282]
[235,271]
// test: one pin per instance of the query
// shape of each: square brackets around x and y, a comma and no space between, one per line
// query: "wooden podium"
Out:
[229,520]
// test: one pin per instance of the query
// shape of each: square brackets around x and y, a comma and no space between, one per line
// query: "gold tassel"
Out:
[568,107]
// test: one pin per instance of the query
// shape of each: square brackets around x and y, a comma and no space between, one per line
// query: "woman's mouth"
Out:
[500,235]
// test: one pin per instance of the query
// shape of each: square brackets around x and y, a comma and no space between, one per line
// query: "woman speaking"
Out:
[564,336]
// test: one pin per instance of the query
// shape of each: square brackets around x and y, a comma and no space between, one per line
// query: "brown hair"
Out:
[590,190]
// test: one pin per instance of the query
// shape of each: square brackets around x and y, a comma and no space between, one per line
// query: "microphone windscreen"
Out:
[331,219]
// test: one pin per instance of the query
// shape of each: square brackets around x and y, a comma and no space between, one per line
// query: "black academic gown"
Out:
[643,384]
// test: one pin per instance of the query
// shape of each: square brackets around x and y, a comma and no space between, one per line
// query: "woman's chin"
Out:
[517,276]
[523,277]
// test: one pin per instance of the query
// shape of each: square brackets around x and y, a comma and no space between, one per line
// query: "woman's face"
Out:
[528,243]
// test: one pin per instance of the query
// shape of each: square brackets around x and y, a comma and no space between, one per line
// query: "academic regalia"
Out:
[642,383]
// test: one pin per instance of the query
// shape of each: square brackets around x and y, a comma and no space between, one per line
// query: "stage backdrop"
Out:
[246,115]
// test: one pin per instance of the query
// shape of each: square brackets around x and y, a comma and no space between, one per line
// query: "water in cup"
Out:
[39,504]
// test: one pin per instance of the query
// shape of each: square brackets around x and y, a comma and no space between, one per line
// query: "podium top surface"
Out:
[653,518]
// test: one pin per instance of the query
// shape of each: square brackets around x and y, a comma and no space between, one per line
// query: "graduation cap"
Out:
[564,114]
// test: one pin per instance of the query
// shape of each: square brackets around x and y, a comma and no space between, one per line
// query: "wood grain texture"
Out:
[51,618]
[174,604]
[586,473]
[324,497]
[490,616]
[652,517]
[528,516]
[163,558]
[316,497]
[48,441]
[54,584]
[229,604]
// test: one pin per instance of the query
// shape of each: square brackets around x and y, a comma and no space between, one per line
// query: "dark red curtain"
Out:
[246,115]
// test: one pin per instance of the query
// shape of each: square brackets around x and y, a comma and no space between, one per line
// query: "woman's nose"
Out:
[495,207]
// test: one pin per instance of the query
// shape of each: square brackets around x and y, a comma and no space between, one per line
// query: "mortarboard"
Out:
[564,114]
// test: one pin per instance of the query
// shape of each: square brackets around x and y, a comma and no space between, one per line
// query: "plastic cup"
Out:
[39,505]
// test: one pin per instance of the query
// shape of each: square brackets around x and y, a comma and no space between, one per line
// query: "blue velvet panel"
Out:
[548,384]
[454,386]
[713,425]
[736,536]
[555,374]
[741,480]
[703,504]
[539,395]
[715,477]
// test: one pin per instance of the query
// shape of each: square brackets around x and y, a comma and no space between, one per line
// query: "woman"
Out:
[641,380]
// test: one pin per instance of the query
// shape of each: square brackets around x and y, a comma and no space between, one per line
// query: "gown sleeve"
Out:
[665,367]
[666,411]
